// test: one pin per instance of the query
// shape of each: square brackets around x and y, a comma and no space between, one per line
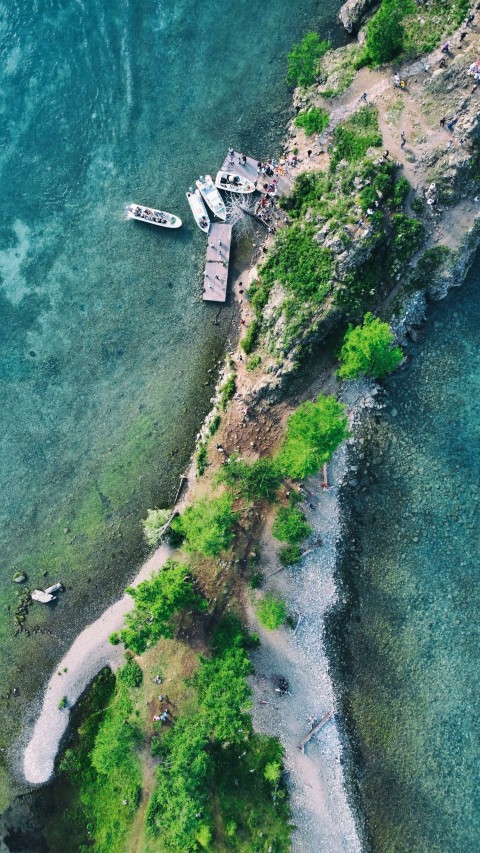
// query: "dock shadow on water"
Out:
[405,647]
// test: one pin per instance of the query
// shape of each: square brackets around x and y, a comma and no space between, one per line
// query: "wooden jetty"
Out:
[216,265]
[249,170]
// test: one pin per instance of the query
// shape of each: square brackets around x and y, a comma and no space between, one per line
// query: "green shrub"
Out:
[202,456]
[215,423]
[401,189]
[131,674]
[368,350]
[253,362]
[227,392]
[63,703]
[303,267]
[271,611]
[256,580]
[314,432]
[418,205]
[157,601]
[353,138]
[114,638]
[249,340]
[304,60]
[385,33]
[290,525]
[408,236]
[154,524]
[431,261]
[367,198]
[289,555]
[257,480]
[314,120]
[208,525]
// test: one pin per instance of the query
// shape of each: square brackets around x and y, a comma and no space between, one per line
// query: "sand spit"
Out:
[90,652]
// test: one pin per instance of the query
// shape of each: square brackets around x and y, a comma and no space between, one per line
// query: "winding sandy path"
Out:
[89,654]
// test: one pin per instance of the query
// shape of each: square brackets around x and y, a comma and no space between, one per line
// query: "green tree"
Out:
[272,611]
[315,120]
[385,33]
[208,525]
[260,479]
[314,432]
[368,350]
[304,60]
[157,601]
[291,525]
[273,772]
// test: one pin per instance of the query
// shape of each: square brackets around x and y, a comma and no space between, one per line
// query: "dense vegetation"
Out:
[207,525]
[271,611]
[314,120]
[257,480]
[290,525]
[214,749]
[368,350]
[157,602]
[314,432]
[353,138]
[304,60]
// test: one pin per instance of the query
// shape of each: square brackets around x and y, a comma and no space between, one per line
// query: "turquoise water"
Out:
[411,638]
[105,347]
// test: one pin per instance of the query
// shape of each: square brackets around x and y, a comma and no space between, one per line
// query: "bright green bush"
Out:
[154,524]
[304,60]
[227,391]
[271,611]
[215,423]
[253,362]
[202,456]
[157,601]
[314,432]
[208,525]
[368,350]
[401,189]
[303,267]
[131,674]
[353,138]
[314,120]
[385,33]
[289,555]
[249,340]
[290,525]
[257,480]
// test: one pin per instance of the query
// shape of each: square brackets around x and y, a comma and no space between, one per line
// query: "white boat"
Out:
[212,196]
[154,217]
[199,210]
[234,183]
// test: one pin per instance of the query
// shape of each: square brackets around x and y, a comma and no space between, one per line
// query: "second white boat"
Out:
[212,196]
[199,210]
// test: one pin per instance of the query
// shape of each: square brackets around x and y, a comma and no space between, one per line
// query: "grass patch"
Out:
[201,460]
[303,267]
[314,120]
[227,392]
[353,138]
[249,340]
[290,525]
[289,555]
[258,480]
[271,611]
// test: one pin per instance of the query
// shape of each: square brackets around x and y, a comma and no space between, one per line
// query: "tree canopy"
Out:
[304,59]
[368,350]
[208,525]
[314,432]
[385,33]
[156,602]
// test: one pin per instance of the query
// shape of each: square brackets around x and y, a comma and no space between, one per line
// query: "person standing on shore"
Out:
[402,137]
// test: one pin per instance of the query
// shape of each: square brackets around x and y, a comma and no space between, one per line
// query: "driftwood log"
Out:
[328,716]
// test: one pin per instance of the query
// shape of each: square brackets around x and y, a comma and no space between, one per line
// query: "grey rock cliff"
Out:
[353,12]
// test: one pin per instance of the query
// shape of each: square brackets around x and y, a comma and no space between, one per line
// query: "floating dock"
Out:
[249,170]
[216,265]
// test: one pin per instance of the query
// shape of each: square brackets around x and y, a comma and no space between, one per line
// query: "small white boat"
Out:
[154,217]
[212,196]
[199,210]
[234,183]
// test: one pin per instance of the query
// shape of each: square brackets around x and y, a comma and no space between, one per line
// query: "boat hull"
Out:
[153,216]
[212,197]
[199,210]
[234,183]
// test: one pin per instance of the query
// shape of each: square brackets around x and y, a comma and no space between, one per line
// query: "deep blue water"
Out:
[105,347]
[412,641]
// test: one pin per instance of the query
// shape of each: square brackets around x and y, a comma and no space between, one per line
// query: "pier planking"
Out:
[216,264]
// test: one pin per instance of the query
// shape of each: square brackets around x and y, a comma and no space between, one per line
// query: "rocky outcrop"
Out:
[353,12]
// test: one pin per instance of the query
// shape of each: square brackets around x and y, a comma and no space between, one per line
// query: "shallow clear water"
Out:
[104,344]
[412,639]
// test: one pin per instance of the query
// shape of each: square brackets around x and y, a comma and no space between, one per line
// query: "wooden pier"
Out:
[249,170]
[216,265]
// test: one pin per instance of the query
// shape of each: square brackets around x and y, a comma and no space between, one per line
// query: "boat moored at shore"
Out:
[234,183]
[153,216]
[212,197]
[198,209]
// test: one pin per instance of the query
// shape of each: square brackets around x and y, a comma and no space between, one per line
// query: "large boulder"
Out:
[353,12]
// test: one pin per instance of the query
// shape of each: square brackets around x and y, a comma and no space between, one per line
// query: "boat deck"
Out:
[250,171]
[216,264]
